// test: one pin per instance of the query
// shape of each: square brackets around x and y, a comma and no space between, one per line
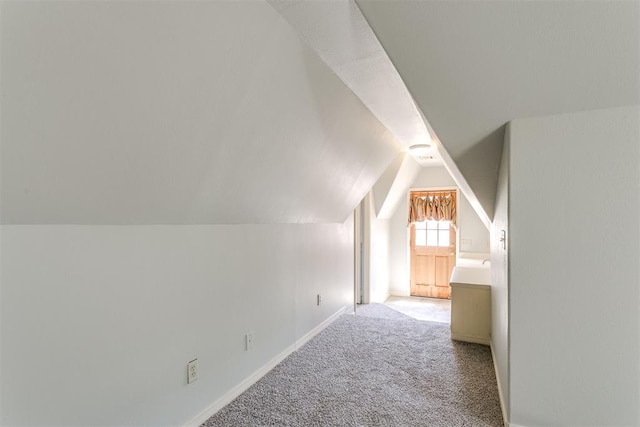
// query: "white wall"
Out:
[500,278]
[469,227]
[378,252]
[176,113]
[123,117]
[574,274]
[381,189]
[399,252]
[407,173]
[382,202]
[390,189]
[99,322]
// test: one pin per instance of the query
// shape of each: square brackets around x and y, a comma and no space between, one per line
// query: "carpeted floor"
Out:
[377,368]
[421,308]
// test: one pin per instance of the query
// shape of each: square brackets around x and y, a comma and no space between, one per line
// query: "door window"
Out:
[432,233]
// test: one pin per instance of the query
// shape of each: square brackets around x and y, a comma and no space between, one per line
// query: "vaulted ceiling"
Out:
[472,66]
[286,111]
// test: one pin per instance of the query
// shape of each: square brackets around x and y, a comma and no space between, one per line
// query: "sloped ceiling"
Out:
[393,185]
[338,32]
[472,66]
[176,113]
[197,112]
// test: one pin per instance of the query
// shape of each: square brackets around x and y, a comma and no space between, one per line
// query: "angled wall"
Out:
[472,66]
[383,186]
[129,132]
[392,186]
[176,113]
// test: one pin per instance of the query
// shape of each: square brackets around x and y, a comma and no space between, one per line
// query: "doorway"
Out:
[359,255]
[432,248]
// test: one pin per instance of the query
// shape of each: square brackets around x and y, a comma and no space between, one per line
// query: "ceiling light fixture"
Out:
[420,149]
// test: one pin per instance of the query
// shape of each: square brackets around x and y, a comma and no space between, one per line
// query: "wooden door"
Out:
[433,256]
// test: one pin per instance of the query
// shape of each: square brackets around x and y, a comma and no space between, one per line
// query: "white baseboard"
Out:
[380,300]
[312,333]
[400,293]
[236,391]
[469,338]
[503,406]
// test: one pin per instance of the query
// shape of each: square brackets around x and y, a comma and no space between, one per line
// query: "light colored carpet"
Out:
[431,309]
[377,368]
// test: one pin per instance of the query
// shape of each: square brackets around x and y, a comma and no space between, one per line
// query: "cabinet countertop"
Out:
[470,276]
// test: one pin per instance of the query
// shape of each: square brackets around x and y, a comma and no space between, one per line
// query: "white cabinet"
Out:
[470,306]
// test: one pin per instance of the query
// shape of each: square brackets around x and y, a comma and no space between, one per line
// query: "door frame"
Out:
[361,244]
[408,231]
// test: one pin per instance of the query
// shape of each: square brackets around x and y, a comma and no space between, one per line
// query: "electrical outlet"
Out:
[192,371]
[318,299]
[466,243]
[249,340]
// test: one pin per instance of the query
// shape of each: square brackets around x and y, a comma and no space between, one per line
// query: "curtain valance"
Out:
[432,206]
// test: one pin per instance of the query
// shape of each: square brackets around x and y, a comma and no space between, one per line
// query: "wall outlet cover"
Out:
[249,341]
[192,371]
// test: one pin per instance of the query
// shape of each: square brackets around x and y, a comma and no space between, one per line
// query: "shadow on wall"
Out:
[480,166]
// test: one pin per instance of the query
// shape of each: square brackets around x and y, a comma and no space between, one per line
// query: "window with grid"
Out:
[432,233]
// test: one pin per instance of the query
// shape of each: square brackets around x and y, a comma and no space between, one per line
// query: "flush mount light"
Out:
[420,149]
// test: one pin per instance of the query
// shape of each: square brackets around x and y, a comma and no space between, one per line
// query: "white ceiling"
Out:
[183,112]
[472,66]
[339,34]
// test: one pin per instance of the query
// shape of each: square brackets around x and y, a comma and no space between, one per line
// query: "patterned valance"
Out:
[432,206]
